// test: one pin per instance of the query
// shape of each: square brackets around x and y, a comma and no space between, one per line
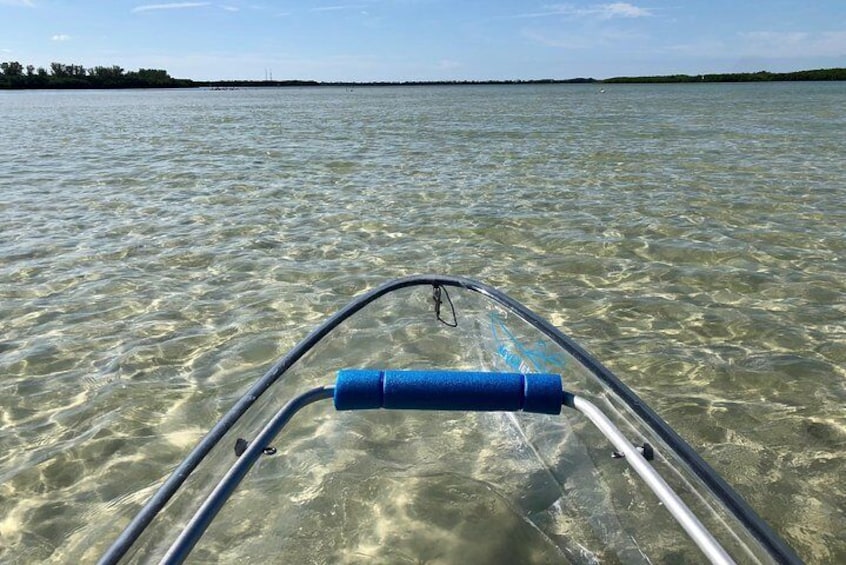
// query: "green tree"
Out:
[106,72]
[59,70]
[107,77]
[12,69]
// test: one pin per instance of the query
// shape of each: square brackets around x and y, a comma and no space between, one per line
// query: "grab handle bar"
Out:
[361,389]
[358,389]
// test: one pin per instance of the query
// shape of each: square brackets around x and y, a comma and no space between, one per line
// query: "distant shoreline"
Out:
[761,76]
[835,74]
[115,78]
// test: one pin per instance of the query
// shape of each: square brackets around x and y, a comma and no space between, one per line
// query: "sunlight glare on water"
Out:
[160,249]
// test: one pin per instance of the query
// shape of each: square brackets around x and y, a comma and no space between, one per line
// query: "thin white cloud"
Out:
[555,10]
[621,10]
[61,37]
[560,42]
[794,44]
[594,39]
[448,65]
[231,8]
[171,6]
[26,3]
[699,47]
[338,7]
[598,11]
[768,45]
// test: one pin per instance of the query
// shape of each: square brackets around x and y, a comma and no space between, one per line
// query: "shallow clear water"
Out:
[159,249]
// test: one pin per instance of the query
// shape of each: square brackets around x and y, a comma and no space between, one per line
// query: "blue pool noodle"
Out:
[358,389]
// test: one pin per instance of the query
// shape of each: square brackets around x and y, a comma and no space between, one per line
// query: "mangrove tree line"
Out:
[15,75]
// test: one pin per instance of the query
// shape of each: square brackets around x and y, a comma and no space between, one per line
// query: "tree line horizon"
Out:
[14,75]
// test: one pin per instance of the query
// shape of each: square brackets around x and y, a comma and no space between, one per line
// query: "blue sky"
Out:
[374,40]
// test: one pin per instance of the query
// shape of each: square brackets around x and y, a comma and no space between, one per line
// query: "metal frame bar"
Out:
[204,515]
[656,483]
[779,550]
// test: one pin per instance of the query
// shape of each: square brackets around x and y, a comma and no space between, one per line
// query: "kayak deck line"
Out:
[534,388]
[444,390]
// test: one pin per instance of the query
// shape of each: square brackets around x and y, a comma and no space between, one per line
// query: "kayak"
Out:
[436,419]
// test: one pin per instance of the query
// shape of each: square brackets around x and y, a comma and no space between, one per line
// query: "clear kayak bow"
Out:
[468,463]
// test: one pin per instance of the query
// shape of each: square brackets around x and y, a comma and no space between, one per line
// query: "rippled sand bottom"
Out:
[161,251]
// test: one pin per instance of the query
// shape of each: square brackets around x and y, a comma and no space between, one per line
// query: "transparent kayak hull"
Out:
[441,486]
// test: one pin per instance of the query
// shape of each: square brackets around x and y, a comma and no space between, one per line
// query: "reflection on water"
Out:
[161,249]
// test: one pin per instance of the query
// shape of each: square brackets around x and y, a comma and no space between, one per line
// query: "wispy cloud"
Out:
[27,3]
[338,7]
[586,40]
[559,42]
[794,43]
[61,37]
[768,45]
[171,6]
[598,11]
[621,10]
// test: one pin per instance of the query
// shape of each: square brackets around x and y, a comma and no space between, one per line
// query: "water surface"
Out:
[160,249]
